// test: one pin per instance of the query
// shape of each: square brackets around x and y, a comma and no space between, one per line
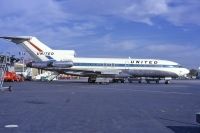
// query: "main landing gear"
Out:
[92,79]
[131,80]
[167,81]
[157,81]
[98,80]
[118,80]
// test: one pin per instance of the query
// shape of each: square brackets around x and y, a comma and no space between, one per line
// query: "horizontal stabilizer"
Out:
[17,39]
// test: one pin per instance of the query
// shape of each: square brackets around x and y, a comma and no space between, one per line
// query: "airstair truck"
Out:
[2,73]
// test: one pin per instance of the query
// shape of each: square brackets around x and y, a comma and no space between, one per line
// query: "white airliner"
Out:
[64,61]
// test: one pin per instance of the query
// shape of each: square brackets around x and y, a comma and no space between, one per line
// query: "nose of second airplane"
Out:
[185,71]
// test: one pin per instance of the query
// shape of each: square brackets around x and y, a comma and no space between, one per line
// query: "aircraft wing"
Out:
[85,72]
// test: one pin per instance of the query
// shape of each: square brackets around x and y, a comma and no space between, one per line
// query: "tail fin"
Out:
[38,50]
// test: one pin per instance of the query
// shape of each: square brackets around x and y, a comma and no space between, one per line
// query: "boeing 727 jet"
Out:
[65,62]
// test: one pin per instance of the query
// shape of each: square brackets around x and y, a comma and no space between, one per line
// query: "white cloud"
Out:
[169,48]
[143,11]
[22,17]
[124,45]
[133,10]
[67,22]
[184,14]
[38,17]
[178,12]
[108,43]
[84,26]
[45,12]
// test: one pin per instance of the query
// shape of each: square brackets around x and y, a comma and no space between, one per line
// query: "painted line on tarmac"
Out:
[148,91]
[164,92]
[11,126]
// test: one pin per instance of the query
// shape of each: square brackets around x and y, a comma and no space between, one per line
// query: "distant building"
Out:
[21,68]
[198,75]
[8,61]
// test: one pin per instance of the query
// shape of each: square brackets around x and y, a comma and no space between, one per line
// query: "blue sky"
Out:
[162,29]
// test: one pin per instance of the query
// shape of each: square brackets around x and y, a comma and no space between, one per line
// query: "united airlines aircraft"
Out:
[65,62]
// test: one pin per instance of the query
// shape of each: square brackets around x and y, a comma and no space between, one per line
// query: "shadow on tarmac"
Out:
[191,128]
[185,129]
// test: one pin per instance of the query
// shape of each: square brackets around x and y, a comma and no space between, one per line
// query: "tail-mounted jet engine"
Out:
[46,64]
[61,64]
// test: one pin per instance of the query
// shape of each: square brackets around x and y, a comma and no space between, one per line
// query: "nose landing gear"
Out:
[167,81]
[91,79]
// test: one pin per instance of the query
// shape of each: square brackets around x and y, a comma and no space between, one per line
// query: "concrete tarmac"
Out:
[79,107]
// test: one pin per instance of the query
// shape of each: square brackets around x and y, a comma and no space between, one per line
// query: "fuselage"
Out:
[134,67]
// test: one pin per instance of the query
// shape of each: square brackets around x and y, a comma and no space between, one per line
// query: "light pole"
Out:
[198,117]
[22,59]
[22,64]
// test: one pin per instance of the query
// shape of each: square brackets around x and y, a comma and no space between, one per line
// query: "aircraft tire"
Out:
[148,82]
[114,81]
[91,80]
[167,82]
[122,81]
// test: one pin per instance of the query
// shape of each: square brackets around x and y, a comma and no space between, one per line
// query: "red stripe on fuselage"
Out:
[35,46]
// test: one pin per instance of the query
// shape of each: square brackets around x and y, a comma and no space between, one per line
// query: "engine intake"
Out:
[40,64]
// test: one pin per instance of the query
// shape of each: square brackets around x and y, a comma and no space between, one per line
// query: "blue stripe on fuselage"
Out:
[50,58]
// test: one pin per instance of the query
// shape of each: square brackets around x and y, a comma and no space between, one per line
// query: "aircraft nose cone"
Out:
[185,71]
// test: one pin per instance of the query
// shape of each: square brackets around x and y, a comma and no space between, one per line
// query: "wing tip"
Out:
[17,37]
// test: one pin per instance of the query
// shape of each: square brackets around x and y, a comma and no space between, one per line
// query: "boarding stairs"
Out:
[52,76]
[2,73]
[46,76]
